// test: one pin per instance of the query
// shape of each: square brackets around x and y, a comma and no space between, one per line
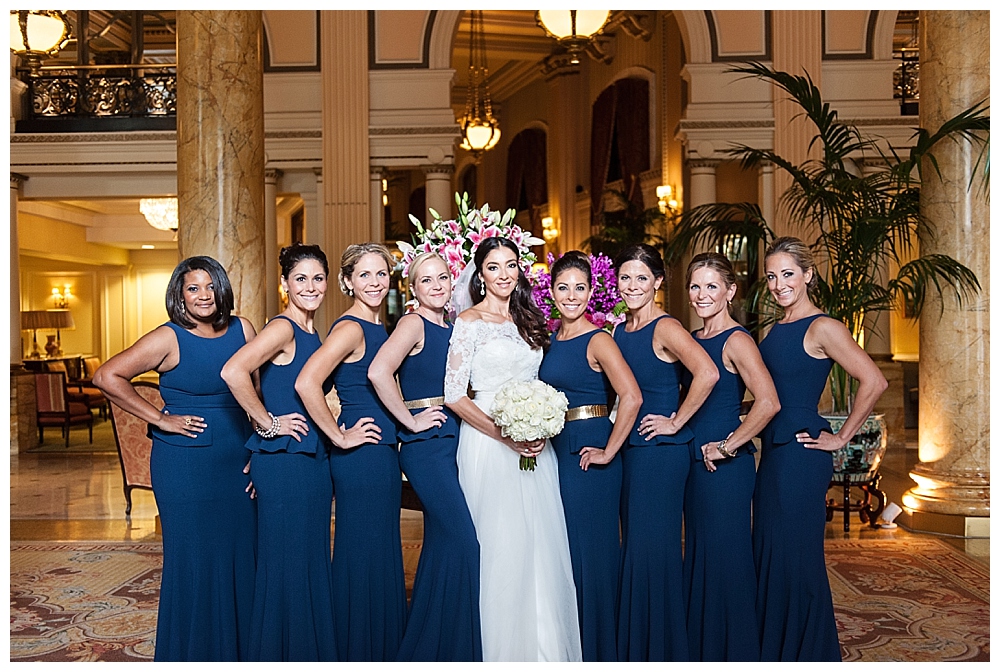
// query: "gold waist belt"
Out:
[427,402]
[587,412]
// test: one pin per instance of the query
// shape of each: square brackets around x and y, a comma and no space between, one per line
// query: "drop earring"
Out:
[482,290]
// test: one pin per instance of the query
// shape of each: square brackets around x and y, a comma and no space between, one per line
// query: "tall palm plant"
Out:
[866,224]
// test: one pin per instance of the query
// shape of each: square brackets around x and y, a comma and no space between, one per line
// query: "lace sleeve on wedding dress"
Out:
[460,353]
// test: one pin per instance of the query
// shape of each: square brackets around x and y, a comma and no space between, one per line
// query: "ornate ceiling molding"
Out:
[416,130]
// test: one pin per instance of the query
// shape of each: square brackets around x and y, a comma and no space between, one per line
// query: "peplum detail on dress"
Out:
[790,421]
[311,443]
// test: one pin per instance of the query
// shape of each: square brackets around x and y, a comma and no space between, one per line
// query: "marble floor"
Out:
[78,496]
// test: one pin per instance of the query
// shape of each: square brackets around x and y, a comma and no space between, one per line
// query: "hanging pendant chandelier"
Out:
[574,29]
[36,34]
[480,129]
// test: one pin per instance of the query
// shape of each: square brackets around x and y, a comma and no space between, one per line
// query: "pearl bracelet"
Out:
[273,431]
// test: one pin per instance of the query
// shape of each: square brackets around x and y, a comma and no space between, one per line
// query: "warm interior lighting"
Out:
[149,247]
[665,198]
[480,129]
[161,213]
[45,30]
[385,199]
[549,229]
[572,28]
[480,137]
[35,34]
[61,297]
[385,184]
[33,320]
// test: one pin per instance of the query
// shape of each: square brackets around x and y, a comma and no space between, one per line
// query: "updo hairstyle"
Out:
[290,256]
[573,259]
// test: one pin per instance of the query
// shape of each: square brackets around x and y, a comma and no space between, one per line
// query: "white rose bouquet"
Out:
[529,410]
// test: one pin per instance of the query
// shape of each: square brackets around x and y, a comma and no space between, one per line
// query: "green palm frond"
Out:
[713,224]
[914,279]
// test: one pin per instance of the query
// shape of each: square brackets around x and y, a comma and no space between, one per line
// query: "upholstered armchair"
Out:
[134,443]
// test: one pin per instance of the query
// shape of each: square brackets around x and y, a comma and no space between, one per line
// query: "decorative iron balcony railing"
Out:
[101,97]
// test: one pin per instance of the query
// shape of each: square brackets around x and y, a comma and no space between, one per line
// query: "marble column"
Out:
[220,148]
[376,175]
[23,423]
[346,214]
[272,268]
[953,476]
[440,195]
[797,39]
[564,82]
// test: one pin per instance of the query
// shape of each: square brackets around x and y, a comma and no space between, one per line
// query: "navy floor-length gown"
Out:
[293,593]
[651,621]
[208,521]
[794,605]
[369,589]
[720,583]
[444,622]
[591,499]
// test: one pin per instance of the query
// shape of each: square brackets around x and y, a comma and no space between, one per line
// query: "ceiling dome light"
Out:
[161,213]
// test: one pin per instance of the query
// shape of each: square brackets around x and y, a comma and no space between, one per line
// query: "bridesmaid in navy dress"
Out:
[369,590]
[655,461]
[794,605]
[584,363]
[443,623]
[293,596]
[720,585]
[197,465]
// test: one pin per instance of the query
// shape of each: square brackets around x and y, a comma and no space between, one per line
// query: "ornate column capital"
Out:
[704,165]
[442,171]
[271,175]
[17,180]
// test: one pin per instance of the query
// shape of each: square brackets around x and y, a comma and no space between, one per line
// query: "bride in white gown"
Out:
[527,596]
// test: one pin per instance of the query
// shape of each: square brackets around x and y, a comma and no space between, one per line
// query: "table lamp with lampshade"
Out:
[58,319]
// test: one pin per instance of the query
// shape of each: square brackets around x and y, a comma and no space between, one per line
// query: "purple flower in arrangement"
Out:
[605,309]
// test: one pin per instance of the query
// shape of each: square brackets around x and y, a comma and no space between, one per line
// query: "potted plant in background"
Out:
[864,230]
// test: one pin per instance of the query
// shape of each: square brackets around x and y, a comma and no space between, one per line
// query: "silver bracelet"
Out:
[272,431]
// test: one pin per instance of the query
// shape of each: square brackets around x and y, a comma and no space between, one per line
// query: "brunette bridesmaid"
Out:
[443,624]
[197,465]
[655,461]
[794,604]
[584,363]
[369,592]
[292,618]
[720,585]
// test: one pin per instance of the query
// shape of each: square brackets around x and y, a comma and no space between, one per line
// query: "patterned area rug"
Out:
[83,601]
[912,600]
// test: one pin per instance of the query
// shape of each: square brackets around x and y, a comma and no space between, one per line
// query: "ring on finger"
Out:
[187,421]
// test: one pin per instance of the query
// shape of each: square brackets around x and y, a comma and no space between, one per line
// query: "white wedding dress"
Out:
[527,596]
